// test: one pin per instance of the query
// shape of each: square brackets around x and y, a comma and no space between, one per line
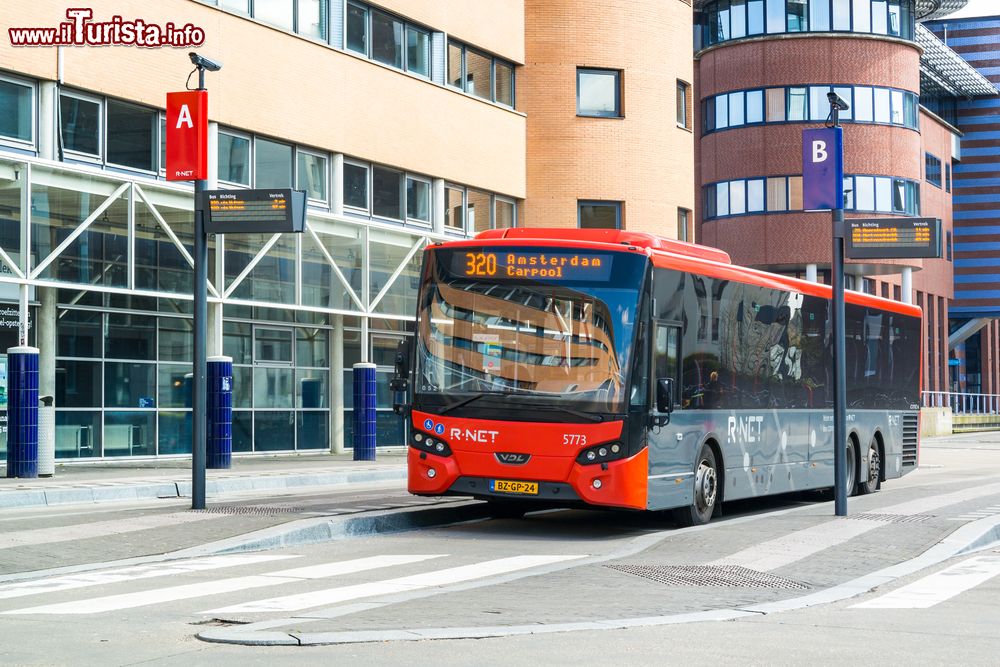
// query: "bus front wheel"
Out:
[706,491]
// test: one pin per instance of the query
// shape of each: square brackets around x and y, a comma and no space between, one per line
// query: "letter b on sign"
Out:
[819,151]
[822,169]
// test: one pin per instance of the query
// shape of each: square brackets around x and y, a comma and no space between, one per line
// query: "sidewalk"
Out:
[171,478]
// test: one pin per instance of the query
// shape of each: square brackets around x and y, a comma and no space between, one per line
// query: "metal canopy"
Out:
[942,71]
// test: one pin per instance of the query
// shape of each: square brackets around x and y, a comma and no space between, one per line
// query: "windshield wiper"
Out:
[464,401]
[570,411]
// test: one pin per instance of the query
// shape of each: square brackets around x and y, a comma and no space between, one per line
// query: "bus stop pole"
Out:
[839,363]
[199,402]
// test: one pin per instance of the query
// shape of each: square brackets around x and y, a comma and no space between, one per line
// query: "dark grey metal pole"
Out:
[839,362]
[199,402]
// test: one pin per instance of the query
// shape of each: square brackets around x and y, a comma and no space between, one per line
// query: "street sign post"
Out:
[893,238]
[823,188]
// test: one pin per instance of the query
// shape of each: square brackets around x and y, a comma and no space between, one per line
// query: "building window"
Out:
[932,170]
[418,199]
[311,175]
[598,92]
[272,164]
[504,213]
[387,40]
[387,193]
[684,230]
[80,124]
[948,246]
[234,158]
[132,140]
[356,185]
[454,208]
[418,51]
[357,28]
[17,111]
[599,214]
[279,13]
[947,176]
[683,103]
[480,74]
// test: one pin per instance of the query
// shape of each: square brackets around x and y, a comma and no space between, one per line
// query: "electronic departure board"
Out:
[892,238]
[254,211]
[497,264]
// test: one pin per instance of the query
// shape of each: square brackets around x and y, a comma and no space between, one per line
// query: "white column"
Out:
[337,184]
[438,205]
[214,343]
[337,385]
[45,341]
[906,290]
[811,273]
[47,99]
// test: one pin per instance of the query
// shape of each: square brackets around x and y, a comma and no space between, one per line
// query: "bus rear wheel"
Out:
[706,491]
[872,471]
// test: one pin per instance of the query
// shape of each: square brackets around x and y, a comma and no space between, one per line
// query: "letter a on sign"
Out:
[822,169]
[187,136]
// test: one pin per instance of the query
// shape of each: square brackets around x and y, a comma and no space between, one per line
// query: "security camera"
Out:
[202,62]
[837,101]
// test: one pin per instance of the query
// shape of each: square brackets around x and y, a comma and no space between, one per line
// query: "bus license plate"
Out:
[510,486]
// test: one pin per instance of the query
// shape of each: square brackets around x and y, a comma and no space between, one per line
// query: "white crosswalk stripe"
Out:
[402,584]
[86,579]
[977,514]
[235,584]
[938,587]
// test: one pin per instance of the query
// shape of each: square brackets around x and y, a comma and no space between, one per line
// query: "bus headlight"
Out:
[430,444]
[601,453]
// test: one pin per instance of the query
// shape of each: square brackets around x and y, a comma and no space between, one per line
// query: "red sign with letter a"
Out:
[187,136]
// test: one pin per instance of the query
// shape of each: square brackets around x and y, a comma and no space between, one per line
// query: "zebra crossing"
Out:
[202,588]
[977,514]
[938,587]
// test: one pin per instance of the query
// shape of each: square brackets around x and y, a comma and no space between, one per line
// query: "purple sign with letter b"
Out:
[823,169]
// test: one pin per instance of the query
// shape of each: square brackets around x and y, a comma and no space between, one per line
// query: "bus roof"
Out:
[677,255]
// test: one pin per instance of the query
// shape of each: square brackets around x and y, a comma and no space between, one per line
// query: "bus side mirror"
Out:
[665,395]
[401,377]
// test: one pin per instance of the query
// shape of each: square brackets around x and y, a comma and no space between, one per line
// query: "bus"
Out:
[616,369]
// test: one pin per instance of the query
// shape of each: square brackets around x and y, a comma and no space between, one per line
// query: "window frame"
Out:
[155,148]
[683,92]
[493,214]
[33,88]
[326,173]
[616,203]
[262,137]
[461,229]
[683,224]
[618,112]
[929,159]
[367,166]
[101,127]
[250,157]
[407,177]
[463,50]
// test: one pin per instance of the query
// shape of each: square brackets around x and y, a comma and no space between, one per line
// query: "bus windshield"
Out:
[528,327]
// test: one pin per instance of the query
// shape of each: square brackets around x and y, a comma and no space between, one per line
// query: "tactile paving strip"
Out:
[735,576]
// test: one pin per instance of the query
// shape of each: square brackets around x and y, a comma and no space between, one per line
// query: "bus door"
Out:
[668,456]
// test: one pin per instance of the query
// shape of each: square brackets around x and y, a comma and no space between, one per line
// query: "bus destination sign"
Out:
[267,211]
[893,238]
[519,265]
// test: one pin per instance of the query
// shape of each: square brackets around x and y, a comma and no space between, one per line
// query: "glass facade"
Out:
[781,194]
[802,104]
[117,254]
[725,20]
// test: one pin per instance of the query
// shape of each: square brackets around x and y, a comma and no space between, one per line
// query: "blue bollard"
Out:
[219,448]
[22,412]
[364,412]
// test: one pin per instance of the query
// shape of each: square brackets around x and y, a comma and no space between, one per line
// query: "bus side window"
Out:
[666,354]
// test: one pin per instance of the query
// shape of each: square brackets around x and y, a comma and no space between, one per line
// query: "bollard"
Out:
[46,436]
[22,412]
[364,412]
[219,448]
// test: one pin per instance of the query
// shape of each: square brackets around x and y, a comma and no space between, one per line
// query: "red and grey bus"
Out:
[617,369]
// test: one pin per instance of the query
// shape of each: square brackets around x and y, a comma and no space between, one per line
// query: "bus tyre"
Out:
[852,468]
[706,491]
[871,473]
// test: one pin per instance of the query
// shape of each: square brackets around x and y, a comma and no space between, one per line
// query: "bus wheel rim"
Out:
[873,466]
[706,486]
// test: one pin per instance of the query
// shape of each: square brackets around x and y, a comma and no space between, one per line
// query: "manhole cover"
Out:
[252,510]
[892,518]
[733,576]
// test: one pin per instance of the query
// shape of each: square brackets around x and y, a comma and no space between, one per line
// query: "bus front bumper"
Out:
[622,484]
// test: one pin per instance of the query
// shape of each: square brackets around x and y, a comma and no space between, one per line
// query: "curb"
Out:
[182,489]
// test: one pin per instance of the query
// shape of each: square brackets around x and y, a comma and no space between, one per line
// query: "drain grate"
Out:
[892,518]
[253,510]
[732,576]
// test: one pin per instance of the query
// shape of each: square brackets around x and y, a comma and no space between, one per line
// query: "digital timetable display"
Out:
[254,211]
[893,238]
[498,264]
